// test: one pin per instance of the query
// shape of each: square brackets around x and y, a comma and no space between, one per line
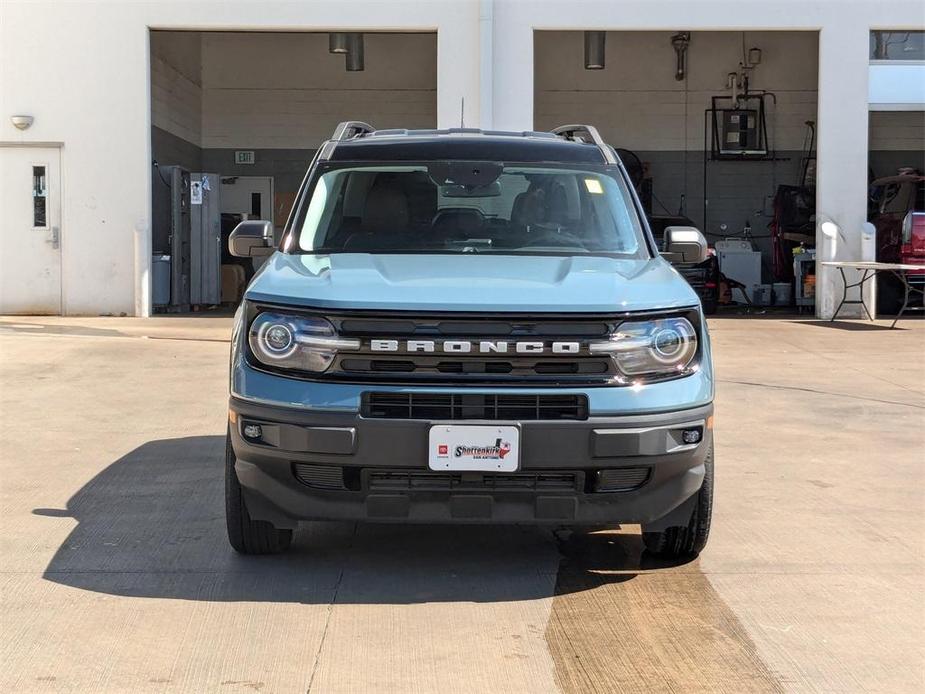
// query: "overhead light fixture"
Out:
[21,122]
[355,62]
[594,49]
[337,42]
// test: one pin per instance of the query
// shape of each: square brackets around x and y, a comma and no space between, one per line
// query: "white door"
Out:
[249,195]
[30,230]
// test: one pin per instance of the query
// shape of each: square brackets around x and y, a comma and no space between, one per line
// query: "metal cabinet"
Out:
[804,279]
[205,239]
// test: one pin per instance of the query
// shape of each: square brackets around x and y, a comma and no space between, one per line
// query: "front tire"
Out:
[248,536]
[685,541]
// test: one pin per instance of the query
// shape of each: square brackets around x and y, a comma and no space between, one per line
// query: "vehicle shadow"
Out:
[151,524]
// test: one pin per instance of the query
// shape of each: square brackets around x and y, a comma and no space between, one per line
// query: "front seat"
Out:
[557,205]
[385,219]
[528,209]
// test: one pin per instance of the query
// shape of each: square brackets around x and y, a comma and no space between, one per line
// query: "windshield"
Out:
[468,207]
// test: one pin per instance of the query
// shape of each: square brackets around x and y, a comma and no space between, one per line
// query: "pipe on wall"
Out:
[486,38]
[355,53]
[595,49]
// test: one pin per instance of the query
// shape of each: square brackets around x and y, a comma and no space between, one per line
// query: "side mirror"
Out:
[685,245]
[251,238]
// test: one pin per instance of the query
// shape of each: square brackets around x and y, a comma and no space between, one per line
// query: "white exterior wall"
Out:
[82,70]
[896,86]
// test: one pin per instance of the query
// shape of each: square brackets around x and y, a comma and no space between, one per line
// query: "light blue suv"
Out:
[462,326]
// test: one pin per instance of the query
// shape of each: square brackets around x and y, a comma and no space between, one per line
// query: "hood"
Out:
[470,282]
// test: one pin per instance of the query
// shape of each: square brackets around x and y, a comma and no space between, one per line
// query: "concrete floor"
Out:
[116,575]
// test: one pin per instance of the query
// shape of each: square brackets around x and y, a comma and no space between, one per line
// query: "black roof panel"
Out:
[475,145]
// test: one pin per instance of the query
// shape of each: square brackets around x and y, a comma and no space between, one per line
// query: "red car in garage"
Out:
[897,210]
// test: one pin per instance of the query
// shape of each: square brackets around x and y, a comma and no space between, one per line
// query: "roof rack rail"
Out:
[350,129]
[589,134]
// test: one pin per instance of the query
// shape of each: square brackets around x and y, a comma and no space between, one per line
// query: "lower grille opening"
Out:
[462,367]
[395,366]
[421,480]
[334,478]
[624,479]
[320,476]
[450,406]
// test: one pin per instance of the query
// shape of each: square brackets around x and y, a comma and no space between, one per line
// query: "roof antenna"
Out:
[462,112]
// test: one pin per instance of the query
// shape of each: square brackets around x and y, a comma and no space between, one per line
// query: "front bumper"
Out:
[559,484]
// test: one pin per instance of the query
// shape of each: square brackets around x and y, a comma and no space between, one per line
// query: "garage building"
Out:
[102,104]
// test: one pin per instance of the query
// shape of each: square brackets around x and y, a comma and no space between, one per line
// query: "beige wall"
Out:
[286,91]
[176,84]
[897,130]
[636,101]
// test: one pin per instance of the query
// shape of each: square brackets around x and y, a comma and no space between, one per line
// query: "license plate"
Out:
[476,448]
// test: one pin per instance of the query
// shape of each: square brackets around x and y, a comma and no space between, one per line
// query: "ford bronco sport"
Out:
[462,326]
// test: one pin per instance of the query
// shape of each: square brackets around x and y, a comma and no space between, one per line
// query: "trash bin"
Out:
[761,295]
[781,293]
[160,280]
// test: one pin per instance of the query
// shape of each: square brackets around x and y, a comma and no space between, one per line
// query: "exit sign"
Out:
[243,156]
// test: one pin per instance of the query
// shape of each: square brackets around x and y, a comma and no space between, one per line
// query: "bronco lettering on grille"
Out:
[468,347]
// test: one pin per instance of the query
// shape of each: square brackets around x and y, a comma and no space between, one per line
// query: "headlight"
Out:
[295,342]
[662,347]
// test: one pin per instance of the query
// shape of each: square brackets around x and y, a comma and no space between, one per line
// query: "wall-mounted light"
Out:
[594,49]
[830,229]
[21,122]
[355,58]
[754,57]
[680,43]
[337,42]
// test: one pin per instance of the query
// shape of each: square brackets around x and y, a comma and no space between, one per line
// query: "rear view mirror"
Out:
[251,238]
[685,245]
[491,190]
[470,174]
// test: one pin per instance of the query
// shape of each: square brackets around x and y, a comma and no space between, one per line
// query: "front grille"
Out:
[621,479]
[551,350]
[418,480]
[474,366]
[494,407]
